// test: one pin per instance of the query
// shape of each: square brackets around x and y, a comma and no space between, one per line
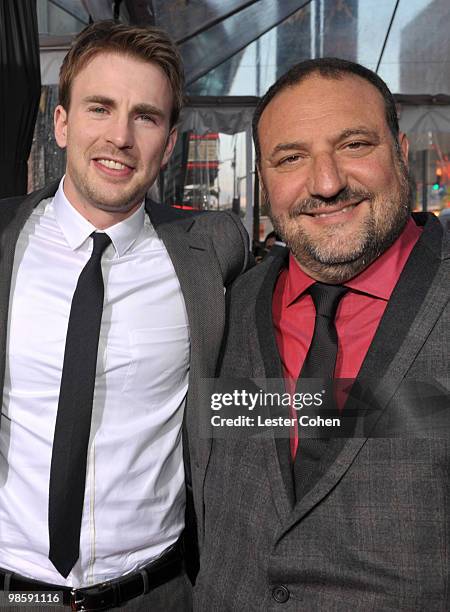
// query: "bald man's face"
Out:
[336,183]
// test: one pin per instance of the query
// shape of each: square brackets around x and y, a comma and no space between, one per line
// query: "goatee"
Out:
[330,257]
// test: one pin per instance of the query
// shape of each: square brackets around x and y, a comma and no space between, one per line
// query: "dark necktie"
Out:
[73,420]
[319,363]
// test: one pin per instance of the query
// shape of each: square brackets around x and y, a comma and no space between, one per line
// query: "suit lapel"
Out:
[279,464]
[13,215]
[201,283]
[415,305]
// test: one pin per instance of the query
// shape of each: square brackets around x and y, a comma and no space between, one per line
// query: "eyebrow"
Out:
[140,109]
[359,131]
[298,145]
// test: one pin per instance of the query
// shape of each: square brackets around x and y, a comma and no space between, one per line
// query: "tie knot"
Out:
[326,298]
[101,241]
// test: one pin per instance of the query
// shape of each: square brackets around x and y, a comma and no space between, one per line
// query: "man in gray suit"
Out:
[334,522]
[92,480]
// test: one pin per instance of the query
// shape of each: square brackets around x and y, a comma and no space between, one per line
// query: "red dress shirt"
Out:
[357,317]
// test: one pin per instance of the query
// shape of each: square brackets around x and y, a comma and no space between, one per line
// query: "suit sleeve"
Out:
[231,244]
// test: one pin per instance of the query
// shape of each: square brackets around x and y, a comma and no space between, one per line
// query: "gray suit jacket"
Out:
[208,252]
[372,529]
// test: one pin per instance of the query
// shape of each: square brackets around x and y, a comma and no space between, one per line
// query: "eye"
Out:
[98,110]
[146,118]
[290,159]
[356,145]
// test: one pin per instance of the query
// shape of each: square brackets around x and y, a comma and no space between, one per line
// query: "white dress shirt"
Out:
[135,498]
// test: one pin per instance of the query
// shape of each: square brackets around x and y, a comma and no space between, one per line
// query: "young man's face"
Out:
[337,186]
[117,135]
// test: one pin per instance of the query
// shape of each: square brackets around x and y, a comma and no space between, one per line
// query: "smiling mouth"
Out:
[332,213]
[112,164]
[330,210]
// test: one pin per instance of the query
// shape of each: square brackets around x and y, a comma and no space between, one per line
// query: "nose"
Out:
[120,133]
[326,179]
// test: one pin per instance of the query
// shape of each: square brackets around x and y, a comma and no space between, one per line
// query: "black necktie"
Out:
[319,363]
[321,357]
[73,420]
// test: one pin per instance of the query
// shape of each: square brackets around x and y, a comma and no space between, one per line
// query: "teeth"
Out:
[338,212]
[109,163]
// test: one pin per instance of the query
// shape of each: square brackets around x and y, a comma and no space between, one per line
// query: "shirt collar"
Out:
[77,229]
[378,280]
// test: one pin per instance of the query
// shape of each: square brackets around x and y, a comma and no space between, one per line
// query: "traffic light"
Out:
[438,179]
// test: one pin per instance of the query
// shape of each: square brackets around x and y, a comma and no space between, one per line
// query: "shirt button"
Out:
[280,594]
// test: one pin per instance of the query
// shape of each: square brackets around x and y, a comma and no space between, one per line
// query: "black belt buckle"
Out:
[74,601]
[105,597]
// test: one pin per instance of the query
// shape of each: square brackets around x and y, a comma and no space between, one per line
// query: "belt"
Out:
[106,594]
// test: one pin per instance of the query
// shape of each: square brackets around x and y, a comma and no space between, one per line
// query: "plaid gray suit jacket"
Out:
[372,530]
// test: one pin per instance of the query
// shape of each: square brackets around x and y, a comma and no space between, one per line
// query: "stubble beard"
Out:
[329,258]
[101,199]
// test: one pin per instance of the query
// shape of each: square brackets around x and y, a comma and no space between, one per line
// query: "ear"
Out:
[170,144]
[404,145]
[60,124]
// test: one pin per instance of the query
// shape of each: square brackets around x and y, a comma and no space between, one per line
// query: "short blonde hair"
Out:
[146,43]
